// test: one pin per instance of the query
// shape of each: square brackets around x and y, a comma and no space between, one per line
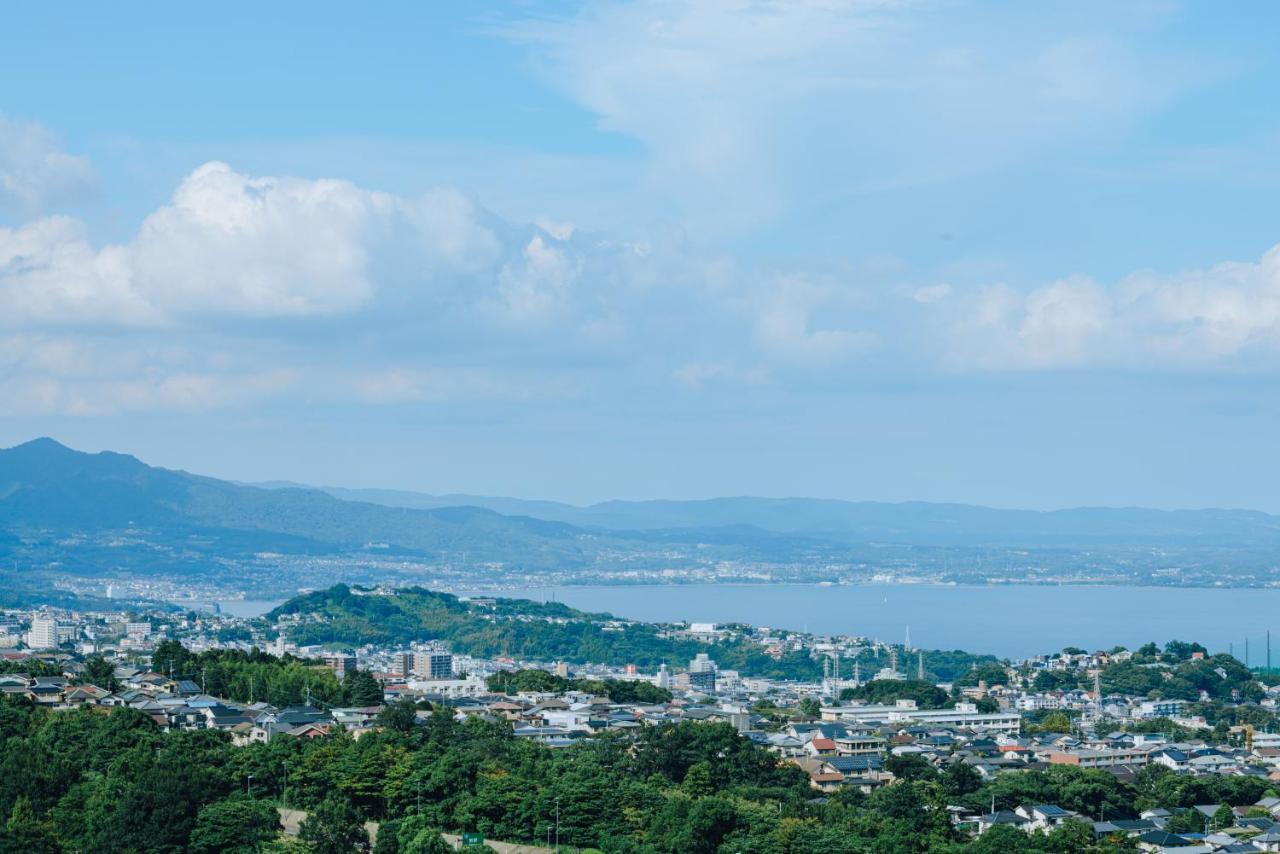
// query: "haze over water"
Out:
[1014,621]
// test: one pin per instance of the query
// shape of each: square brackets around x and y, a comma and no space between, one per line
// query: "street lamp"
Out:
[248,786]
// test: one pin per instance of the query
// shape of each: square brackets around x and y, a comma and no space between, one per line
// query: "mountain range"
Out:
[70,512]
[909,522]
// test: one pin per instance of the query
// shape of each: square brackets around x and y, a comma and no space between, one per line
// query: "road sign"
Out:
[470,839]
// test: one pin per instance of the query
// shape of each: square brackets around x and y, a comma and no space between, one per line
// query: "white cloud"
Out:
[34,173]
[234,244]
[532,287]
[1225,316]
[246,288]
[50,274]
[259,246]
[751,108]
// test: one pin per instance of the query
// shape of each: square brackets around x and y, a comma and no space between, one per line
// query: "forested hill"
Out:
[522,629]
[47,488]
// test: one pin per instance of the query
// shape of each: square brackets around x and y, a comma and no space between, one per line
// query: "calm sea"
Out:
[1013,621]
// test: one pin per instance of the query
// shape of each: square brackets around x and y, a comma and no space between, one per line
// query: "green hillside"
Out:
[522,629]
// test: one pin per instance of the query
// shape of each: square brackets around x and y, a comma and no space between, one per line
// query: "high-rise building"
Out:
[43,634]
[664,676]
[702,673]
[402,663]
[433,665]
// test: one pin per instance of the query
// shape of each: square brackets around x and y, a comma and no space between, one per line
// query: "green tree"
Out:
[100,673]
[1186,821]
[238,826]
[361,689]
[333,827]
[699,780]
[170,656]
[910,766]
[810,708]
[960,778]
[990,673]
[1055,722]
[1223,817]
[401,716]
[26,833]
[416,836]
[926,694]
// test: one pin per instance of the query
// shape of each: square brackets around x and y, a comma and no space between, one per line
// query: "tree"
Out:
[361,689]
[961,778]
[992,674]
[1070,836]
[400,716]
[810,708]
[416,836]
[100,673]
[334,827]
[239,826]
[531,681]
[25,832]
[1187,821]
[1223,817]
[1055,722]
[987,705]
[171,657]
[699,780]
[1181,650]
[910,766]
[926,694]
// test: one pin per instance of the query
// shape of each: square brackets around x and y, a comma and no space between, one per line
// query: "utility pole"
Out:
[557,824]
[284,789]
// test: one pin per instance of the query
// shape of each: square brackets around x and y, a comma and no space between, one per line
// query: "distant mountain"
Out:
[914,522]
[64,514]
[46,486]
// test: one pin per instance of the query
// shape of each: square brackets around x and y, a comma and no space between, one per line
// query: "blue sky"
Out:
[1005,253]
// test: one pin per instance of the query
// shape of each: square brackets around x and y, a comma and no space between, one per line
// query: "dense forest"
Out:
[522,629]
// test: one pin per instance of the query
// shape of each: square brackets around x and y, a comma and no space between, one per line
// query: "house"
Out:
[1170,757]
[1044,816]
[1158,840]
[821,747]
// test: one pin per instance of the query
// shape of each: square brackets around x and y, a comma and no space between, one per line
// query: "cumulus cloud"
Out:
[1225,315]
[237,245]
[35,173]
[269,246]
[51,274]
[248,288]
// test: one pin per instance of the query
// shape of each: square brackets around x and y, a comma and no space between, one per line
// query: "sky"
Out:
[1023,255]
